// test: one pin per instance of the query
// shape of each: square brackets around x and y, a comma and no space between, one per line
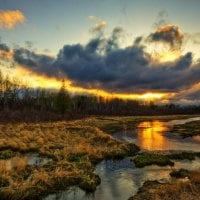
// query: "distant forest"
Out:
[19,102]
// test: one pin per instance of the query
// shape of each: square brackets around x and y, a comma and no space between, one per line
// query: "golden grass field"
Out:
[74,148]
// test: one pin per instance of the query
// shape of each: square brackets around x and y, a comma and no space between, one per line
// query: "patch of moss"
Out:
[126,150]
[90,182]
[146,159]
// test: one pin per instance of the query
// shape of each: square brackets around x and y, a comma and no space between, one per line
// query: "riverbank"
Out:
[182,189]
[163,159]
[187,130]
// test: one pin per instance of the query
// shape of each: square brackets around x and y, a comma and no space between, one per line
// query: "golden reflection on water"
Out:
[150,135]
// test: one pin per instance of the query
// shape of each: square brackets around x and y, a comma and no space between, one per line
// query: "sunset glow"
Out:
[168,56]
[35,81]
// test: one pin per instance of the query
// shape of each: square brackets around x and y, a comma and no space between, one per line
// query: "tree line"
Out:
[20,102]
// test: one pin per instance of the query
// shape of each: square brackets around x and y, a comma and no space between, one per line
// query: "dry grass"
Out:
[4,167]
[19,164]
[73,146]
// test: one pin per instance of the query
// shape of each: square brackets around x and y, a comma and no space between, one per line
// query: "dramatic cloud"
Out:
[36,62]
[4,47]
[188,96]
[9,18]
[5,53]
[138,40]
[102,64]
[169,34]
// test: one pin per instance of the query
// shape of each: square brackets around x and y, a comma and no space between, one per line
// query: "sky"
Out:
[127,48]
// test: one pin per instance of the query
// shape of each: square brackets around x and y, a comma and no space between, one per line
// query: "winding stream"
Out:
[121,179]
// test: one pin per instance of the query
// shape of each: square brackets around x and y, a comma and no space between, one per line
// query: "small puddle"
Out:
[29,159]
[35,159]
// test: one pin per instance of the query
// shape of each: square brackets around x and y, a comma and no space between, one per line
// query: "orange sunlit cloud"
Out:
[169,34]
[167,44]
[189,95]
[9,18]
[6,55]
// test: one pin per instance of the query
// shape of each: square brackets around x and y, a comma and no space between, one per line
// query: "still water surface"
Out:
[121,180]
[155,135]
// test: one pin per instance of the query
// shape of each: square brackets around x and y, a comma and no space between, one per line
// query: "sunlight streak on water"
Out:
[155,135]
[150,135]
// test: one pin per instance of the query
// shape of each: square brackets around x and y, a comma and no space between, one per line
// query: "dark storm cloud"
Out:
[4,47]
[35,62]
[193,96]
[184,62]
[138,40]
[109,70]
[190,95]
[101,63]
[5,55]
[101,45]
[169,34]
[113,41]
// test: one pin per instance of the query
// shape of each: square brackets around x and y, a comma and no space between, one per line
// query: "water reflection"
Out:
[155,135]
[120,180]
[29,159]
[150,135]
